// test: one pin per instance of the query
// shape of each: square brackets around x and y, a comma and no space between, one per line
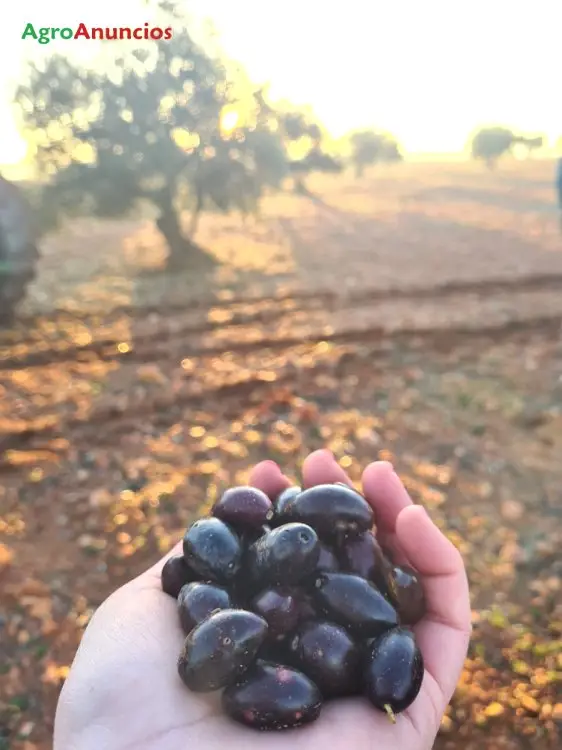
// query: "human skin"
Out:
[123,690]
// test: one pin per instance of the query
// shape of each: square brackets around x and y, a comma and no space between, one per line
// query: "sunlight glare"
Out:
[229,121]
[184,139]
[428,73]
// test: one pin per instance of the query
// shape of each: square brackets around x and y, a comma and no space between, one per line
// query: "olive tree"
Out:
[149,128]
[370,147]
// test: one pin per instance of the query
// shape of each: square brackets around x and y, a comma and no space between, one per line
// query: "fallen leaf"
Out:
[494,709]
[6,556]
[529,703]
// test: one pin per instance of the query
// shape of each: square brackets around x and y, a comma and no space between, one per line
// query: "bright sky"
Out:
[428,71]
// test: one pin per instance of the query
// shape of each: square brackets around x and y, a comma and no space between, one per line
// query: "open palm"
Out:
[123,690]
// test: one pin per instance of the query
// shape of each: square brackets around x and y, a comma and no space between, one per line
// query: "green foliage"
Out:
[316,161]
[490,143]
[303,140]
[149,128]
[44,208]
[371,147]
[532,143]
[298,125]
[269,155]
[294,124]
[299,131]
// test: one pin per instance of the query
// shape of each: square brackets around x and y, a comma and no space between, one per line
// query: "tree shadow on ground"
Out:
[501,178]
[408,247]
[486,197]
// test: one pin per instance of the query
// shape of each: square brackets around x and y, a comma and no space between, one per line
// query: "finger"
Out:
[440,564]
[444,651]
[321,467]
[386,493]
[268,477]
[444,633]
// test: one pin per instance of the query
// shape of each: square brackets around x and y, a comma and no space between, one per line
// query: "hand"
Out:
[123,691]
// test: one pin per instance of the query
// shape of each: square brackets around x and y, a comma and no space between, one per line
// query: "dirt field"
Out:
[414,315]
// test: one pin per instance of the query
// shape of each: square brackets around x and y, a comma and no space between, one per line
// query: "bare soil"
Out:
[414,315]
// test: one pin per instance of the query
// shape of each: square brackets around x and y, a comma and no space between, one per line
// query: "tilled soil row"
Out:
[100,511]
[158,325]
[119,413]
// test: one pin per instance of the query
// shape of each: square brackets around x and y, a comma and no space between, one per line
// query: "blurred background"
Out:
[289,226]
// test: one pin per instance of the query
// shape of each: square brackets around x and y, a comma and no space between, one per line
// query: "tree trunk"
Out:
[299,187]
[196,213]
[182,251]
[12,292]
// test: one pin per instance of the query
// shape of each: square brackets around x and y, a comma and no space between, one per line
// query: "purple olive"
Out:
[196,601]
[288,601]
[175,574]
[281,501]
[329,656]
[213,550]
[331,510]
[361,555]
[406,594]
[355,603]
[272,696]
[244,508]
[285,555]
[286,496]
[306,607]
[393,671]
[279,608]
[220,649]
[327,560]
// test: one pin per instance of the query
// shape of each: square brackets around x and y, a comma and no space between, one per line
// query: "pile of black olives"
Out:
[289,603]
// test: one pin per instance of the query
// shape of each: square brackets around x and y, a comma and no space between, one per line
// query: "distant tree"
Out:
[151,129]
[531,144]
[489,144]
[371,147]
